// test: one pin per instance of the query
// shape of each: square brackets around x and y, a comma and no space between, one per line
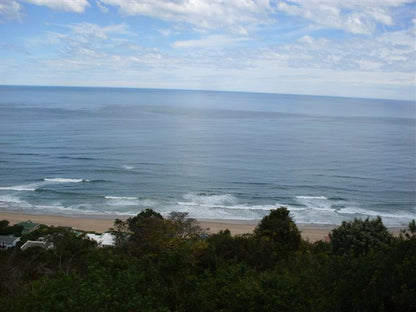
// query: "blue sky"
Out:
[358,48]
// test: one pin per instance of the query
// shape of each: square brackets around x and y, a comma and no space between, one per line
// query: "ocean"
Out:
[215,155]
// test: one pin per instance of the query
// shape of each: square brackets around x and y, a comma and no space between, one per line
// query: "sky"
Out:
[352,48]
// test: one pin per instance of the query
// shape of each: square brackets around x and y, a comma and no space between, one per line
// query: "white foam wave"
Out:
[128,167]
[10,199]
[313,216]
[235,207]
[24,187]
[372,213]
[211,199]
[201,212]
[120,198]
[187,204]
[120,201]
[254,207]
[30,187]
[312,197]
[121,213]
[220,206]
[316,202]
[14,203]
[305,209]
[357,210]
[64,180]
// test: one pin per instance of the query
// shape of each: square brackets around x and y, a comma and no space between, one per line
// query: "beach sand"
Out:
[104,223]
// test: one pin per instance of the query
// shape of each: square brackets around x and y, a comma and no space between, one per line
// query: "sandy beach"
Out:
[104,223]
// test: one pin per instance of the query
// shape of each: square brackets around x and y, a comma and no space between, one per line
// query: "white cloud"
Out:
[87,48]
[94,30]
[77,6]
[393,51]
[237,16]
[102,7]
[10,10]
[208,42]
[287,58]
[354,16]
[113,55]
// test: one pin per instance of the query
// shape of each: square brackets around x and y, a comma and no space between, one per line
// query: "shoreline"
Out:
[311,232]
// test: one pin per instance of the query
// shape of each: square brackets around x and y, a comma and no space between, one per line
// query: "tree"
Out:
[149,231]
[6,229]
[183,226]
[68,247]
[279,231]
[411,230]
[358,237]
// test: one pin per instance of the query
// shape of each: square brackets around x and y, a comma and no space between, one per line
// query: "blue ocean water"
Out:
[216,155]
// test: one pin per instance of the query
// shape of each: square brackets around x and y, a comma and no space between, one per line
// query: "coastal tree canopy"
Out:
[279,230]
[149,231]
[359,237]
[165,265]
[6,229]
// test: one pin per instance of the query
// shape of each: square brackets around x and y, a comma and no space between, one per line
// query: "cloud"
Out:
[94,30]
[84,48]
[237,16]
[228,45]
[354,16]
[10,10]
[208,42]
[77,6]
[245,16]
[114,55]
[389,52]
[102,8]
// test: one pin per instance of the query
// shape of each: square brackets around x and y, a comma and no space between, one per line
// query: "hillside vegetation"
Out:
[172,264]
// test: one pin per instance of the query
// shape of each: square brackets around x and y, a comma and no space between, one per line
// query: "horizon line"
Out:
[208,90]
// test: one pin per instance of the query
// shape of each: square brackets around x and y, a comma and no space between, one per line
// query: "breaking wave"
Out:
[120,198]
[304,208]
[64,180]
[31,187]
[22,187]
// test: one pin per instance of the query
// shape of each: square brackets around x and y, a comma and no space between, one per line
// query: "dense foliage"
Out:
[6,229]
[171,264]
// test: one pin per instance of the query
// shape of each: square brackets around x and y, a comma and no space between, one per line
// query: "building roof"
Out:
[105,239]
[42,244]
[28,226]
[9,240]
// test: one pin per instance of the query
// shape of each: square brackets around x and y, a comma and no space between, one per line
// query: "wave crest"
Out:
[64,180]
[23,187]
[120,198]
[210,199]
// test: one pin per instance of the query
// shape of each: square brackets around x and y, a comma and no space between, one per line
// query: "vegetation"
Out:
[5,229]
[171,264]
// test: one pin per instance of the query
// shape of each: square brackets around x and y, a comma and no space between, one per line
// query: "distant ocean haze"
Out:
[216,155]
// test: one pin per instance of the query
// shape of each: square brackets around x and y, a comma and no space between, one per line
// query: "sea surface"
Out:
[215,155]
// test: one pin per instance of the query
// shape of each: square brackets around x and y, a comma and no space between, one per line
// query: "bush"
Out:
[358,237]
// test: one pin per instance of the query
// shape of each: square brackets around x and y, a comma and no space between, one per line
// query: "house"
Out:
[7,241]
[103,240]
[38,243]
[28,226]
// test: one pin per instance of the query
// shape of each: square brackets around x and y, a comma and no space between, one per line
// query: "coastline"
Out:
[311,232]
[104,223]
